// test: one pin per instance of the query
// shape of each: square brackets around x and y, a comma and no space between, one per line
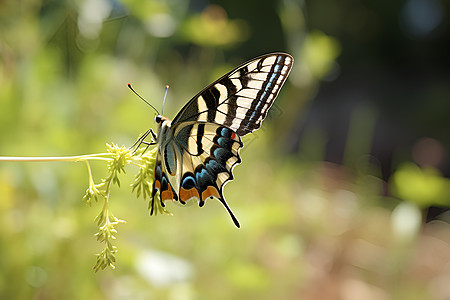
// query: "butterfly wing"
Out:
[205,135]
[209,153]
[161,184]
[241,98]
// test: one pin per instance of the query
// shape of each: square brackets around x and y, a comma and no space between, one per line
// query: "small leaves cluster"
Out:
[121,157]
[94,192]
[143,181]
[106,223]
[118,158]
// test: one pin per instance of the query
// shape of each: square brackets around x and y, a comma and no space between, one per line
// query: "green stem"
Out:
[100,156]
[91,179]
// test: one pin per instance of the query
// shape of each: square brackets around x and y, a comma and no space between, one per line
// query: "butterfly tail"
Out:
[230,212]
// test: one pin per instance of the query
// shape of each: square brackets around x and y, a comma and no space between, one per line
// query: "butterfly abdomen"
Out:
[162,185]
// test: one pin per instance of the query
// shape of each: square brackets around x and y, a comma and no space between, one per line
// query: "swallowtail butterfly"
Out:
[197,150]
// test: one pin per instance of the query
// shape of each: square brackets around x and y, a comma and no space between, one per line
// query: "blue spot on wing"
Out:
[203,178]
[222,155]
[225,132]
[214,167]
[188,181]
[277,67]
[272,78]
[164,184]
[158,172]
[225,142]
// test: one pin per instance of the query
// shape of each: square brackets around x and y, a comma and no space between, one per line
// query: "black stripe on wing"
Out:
[241,98]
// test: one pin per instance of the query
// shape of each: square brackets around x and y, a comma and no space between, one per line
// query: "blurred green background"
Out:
[342,193]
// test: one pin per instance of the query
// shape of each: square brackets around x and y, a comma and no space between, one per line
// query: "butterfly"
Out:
[198,149]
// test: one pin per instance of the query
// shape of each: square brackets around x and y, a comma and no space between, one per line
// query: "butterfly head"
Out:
[162,121]
[158,119]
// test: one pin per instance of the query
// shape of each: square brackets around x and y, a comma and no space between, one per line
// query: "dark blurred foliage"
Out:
[394,66]
[394,62]
[333,190]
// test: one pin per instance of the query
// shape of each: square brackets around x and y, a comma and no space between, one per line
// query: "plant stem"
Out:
[100,156]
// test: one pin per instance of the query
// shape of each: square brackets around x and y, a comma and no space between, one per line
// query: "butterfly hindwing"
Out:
[161,184]
[210,151]
[207,153]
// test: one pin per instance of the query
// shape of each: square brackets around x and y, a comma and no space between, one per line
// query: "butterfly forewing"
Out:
[200,147]
[240,99]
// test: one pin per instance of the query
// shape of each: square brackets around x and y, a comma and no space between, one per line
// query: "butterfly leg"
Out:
[141,140]
[154,137]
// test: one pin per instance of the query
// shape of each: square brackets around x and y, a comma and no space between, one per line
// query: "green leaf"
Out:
[424,187]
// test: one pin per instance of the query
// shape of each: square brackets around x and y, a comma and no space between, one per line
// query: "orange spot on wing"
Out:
[186,195]
[157,185]
[210,192]
[233,135]
[167,194]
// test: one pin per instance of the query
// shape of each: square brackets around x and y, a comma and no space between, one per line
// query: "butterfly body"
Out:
[199,148]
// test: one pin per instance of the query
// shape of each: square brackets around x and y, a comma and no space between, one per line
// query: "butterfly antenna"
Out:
[164,100]
[129,85]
